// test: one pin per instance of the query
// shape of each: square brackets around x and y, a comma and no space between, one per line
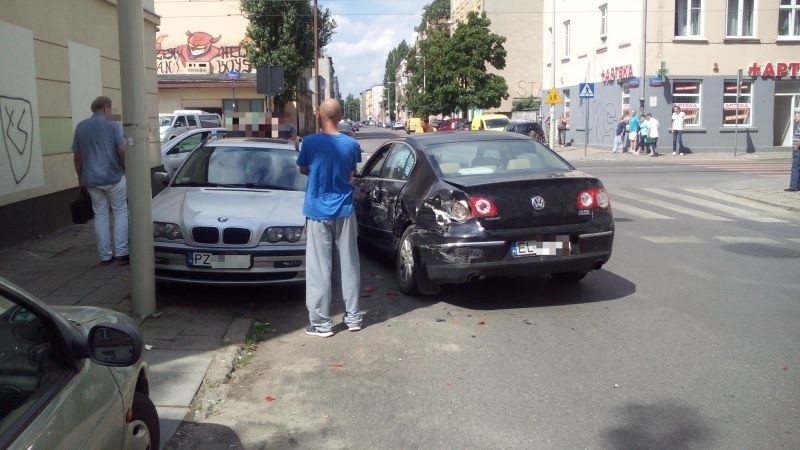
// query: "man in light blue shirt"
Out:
[329,160]
[633,136]
[99,155]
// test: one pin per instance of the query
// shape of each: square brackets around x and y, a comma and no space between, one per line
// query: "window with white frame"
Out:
[566,39]
[566,99]
[603,21]
[733,112]
[789,18]
[740,18]
[688,18]
[686,94]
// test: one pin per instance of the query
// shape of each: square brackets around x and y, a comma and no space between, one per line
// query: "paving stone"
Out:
[107,294]
[185,342]
[61,300]
[159,333]
[216,329]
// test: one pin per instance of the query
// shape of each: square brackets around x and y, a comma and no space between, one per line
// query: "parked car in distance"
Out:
[71,377]
[457,207]
[399,125]
[528,128]
[232,215]
[344,127]
[458,123]
[495,122]
[183,120]
[175,151]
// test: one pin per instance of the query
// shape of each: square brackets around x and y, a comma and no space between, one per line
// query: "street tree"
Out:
[281,33]
[435,15]
[352,107]
[468,85]
[389,83]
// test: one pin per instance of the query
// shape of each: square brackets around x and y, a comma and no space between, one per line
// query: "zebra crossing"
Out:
[767,168]
[650,203]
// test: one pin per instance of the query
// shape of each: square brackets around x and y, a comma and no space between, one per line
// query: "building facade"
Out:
[680,52]
[54,64]
[520,23]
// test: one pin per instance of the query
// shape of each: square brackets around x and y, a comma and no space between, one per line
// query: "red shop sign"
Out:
[774,70]
[617,73]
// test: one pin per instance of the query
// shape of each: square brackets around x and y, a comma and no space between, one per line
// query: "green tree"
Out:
[527,104]
[392,60]
[435,14]
[461,80]
[352,107]
[281,33]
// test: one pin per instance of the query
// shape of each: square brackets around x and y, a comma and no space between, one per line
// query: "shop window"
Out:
[626,100]
[730,115]
[740,18]
[686,94]
[688,18]
[566,99]
[789,18]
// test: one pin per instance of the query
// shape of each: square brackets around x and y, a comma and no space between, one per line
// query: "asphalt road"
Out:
[688,338]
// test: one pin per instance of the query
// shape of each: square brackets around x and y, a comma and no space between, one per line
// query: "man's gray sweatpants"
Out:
[326,240]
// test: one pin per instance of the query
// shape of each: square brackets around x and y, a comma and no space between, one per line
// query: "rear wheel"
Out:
[568,277]
[410,278]
[144,431]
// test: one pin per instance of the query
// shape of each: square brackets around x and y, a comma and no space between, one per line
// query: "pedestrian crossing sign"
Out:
[586,90]
[553,98]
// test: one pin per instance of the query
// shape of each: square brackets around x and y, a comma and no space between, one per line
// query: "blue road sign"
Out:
[586,90]
[233,74]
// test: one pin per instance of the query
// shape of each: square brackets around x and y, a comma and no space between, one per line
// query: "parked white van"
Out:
[183,120]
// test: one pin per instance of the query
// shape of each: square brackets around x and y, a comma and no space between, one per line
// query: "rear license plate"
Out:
[212,261]
[553,246]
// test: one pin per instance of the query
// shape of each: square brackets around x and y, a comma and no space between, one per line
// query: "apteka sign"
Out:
[774,70]
[617,73]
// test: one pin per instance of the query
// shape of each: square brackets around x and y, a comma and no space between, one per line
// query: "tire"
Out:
[144,430]
[568,277]
[410,279]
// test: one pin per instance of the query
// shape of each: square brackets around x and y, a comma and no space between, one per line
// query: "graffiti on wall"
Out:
[603,123]
[16,117]
[200,47]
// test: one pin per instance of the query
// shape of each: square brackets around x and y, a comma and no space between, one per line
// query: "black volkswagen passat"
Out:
[461,206]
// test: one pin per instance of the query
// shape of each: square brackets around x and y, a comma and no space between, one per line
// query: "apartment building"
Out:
[650,56]
[56,58]
[372,103]
[520,22]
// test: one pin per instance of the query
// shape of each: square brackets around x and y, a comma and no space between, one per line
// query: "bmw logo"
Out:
[537,202]
[222,219]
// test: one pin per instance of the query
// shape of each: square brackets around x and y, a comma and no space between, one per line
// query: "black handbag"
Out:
[81,207]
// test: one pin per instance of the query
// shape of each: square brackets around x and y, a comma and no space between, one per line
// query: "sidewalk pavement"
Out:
[63,269]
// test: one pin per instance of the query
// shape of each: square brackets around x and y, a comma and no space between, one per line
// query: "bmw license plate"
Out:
[553,246]
[213,261]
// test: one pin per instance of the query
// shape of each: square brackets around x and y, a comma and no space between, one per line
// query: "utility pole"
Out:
[553,107]
[137,162]
[643,82]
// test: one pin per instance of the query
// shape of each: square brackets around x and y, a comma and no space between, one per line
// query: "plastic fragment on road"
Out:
[336,365]
[270,398]
[481,323]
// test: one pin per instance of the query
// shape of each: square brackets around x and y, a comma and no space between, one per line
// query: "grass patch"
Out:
[254,337]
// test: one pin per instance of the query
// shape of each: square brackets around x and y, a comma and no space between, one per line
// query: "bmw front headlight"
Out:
[166,230]
[283,234]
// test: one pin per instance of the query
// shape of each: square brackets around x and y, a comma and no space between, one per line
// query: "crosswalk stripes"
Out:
[762,168]
[736,212]
[714,205]
[723,239]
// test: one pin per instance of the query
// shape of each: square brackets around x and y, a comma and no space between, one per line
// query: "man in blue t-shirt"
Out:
[329,160]
[633,136]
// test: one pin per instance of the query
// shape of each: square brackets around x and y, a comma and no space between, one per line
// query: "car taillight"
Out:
[593,198]
[482,207]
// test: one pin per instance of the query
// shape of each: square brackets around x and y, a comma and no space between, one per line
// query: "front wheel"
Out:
[568,277]
[144,431]
[410,278]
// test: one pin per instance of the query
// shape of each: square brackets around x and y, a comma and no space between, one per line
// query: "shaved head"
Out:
[330,109]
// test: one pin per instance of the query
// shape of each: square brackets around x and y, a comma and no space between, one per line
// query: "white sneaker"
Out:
[681,153]
[674,153]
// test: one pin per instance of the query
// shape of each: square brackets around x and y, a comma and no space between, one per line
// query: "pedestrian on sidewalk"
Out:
[633,135]
[619,134]
[653,127]
[794,178]
[644,128]
[563,124]
[329,160]
[676,128]
[99,156]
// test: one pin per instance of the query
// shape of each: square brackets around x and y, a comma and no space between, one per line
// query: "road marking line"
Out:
[734,199]
[793,240]
[746,240]
[670,206]
[674,239]
[756,217]
[638,212]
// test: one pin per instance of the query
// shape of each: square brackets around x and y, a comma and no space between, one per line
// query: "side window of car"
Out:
[191,142]
[399,164]
[31,363]
[192,121]
[375,165]
[180,121]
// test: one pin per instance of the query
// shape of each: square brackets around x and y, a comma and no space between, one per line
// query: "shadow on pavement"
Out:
[211,436]
[664,425]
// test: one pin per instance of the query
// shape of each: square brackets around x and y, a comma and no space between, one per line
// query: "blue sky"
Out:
[367,30]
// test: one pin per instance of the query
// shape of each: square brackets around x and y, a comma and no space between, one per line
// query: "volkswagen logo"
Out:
[537,202]
[222,219]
